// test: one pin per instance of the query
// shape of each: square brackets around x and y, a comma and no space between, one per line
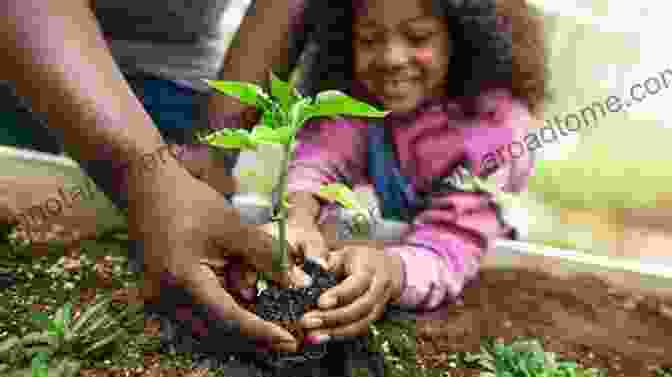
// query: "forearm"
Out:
[57,57]
[261,44]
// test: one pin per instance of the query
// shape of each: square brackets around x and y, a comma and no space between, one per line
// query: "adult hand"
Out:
[373,278]
[209,165]
[182,221]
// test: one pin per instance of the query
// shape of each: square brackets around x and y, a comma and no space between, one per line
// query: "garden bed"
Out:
[622,330]
[582,318]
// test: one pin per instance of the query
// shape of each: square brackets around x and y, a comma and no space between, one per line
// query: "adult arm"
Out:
[56,55]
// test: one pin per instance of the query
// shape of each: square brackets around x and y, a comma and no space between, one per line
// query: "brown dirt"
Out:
[151,368]
[583,319]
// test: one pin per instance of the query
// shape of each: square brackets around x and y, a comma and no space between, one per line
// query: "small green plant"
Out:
[284,111]
[664,372]
[64,340]
[363,219]
[526,358]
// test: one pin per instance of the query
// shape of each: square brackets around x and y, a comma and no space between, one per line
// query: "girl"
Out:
[463,80]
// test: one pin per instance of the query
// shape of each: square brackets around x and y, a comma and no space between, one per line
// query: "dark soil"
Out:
[583,319]
[287,306]
[224,347]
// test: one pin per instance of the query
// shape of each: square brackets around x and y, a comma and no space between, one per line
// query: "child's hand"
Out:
[374,278]
[306,238]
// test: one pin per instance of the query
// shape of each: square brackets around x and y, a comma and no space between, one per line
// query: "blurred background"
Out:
[606,189]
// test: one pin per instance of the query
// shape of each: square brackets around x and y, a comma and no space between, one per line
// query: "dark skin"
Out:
[370,277]
[401,56]
[56,56]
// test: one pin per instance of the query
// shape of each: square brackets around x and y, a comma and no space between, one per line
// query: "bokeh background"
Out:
[607,189]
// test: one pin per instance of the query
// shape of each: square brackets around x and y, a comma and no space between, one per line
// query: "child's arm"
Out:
[443,250]
[447,241]
[328,152]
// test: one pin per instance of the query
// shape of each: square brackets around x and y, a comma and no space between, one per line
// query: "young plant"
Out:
[62,336]
[40,365]
[526,358]
[363,220]
[284,111]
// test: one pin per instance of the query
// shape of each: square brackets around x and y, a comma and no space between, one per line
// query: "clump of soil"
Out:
[582,319]
[286,306]
[226,348]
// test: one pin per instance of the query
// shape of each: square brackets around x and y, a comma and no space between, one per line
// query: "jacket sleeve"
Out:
[327,152]
[443,249]
[442,252]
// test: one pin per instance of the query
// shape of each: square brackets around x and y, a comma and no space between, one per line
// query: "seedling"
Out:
[64,337]
[284,111]
[363,218]
[40,365]
[526,358]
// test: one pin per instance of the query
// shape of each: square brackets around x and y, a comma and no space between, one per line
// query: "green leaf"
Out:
[281,91]
[334,103]
[299,113]
[102,321]
[98,308]
[39,364]
[343,195]
[67,314]
[268,119]
[9,343]
[248,94]
[42,319]
[267,135]
[230,139]
[55,329]
[57,326]
[105,341]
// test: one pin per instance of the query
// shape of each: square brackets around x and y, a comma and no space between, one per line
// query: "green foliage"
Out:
[63,339]
[526,358]
[664,372]
[396,340]
[344,196]
[40,365]
[334,103]
[283,112]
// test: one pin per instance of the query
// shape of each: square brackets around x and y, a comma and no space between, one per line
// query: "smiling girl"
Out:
[461,79]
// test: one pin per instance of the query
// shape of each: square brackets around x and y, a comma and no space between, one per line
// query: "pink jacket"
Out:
[443,249]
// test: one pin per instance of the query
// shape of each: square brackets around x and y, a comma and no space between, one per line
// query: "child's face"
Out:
[401,52]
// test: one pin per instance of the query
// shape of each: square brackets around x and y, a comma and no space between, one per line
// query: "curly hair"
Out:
[496,43]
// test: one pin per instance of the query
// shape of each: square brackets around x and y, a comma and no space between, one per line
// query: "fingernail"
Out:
[317,339]
[312,322]
[248,294]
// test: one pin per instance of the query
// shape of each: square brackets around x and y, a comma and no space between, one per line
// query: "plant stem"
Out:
[281,213]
